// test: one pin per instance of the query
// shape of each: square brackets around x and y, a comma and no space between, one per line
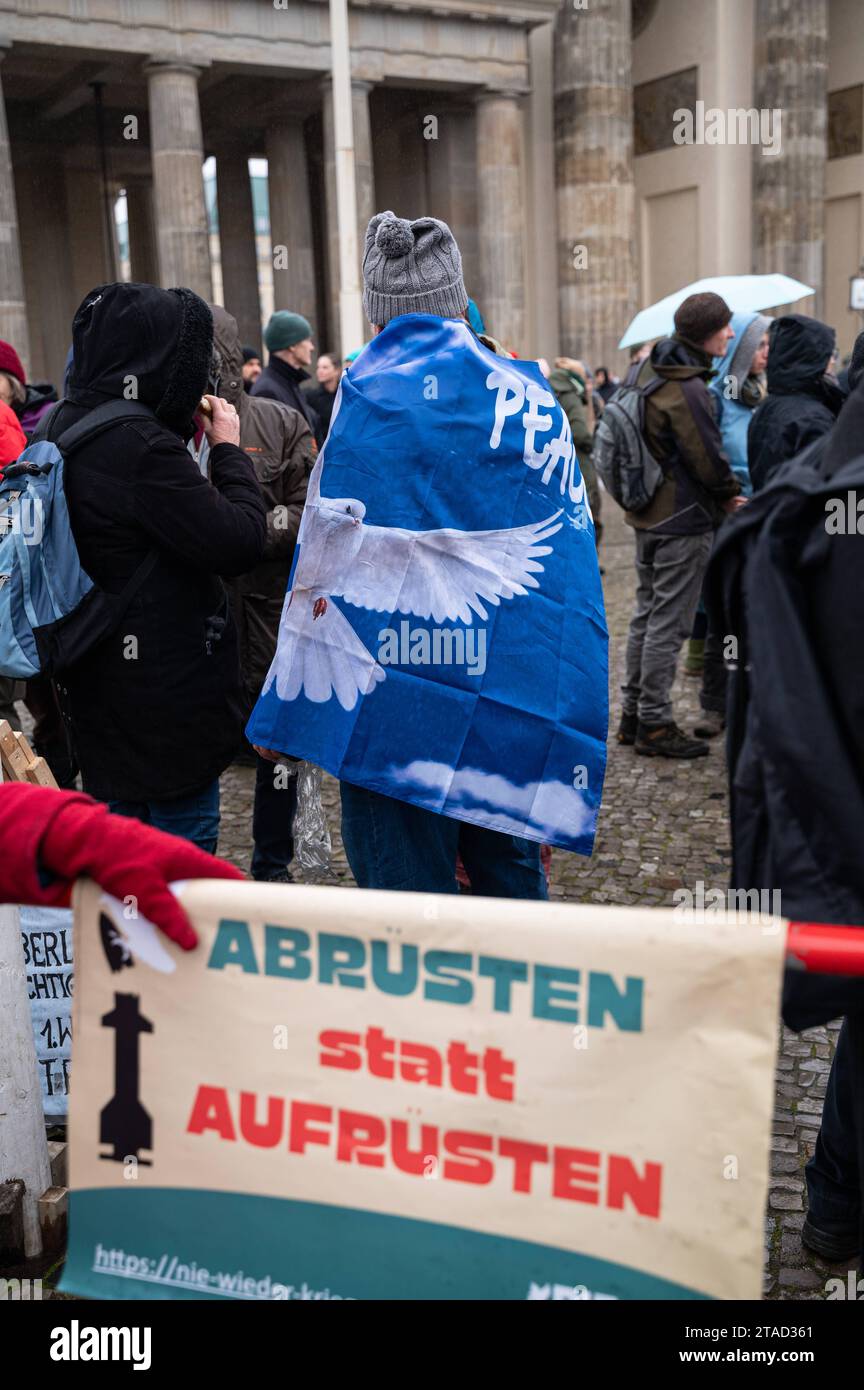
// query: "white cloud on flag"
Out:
[545,810]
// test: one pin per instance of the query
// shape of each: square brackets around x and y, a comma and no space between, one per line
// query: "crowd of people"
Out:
[196,512]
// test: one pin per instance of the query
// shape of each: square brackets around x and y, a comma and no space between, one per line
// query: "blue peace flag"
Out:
[443,639]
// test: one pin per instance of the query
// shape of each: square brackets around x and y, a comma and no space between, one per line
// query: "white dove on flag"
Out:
[441,574]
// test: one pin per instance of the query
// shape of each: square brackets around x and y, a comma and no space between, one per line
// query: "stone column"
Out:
[239,254]
[290,218]
[142,232]
[92,255]
[500,217]
[13,309]
[791,73]
[177,153]
[593,105]
[365,182]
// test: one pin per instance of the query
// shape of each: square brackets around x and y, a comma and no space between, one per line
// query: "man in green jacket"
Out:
[674,533]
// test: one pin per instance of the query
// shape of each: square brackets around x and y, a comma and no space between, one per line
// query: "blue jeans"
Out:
[194,818]
[391,844]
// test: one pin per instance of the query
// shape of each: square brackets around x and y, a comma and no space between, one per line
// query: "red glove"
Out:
[69,836]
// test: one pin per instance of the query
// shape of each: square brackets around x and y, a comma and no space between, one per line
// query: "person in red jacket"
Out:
[13,440]
[48,839]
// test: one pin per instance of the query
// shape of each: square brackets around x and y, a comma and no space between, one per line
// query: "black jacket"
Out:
[279,381]
[156,710]
[322,402]
[790,592]
[802,403]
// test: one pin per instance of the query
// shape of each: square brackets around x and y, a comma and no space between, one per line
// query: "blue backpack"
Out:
[51,611]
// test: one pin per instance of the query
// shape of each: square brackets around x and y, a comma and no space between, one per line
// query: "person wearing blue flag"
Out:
[442,647]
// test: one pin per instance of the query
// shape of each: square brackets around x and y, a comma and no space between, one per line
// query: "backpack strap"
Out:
[94,422]
[41,431]
[651,386]
[102,418]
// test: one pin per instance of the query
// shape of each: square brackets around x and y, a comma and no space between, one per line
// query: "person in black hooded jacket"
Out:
[155,710]
[802,402]
[788,587]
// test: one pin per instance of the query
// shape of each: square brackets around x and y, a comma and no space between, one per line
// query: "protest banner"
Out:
[445,602]
[46,936]
[347,1094]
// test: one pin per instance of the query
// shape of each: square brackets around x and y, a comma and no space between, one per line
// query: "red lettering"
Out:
[570,1164]
[268,1134]
[624,1181]
[300,1132]
[463,1068]
[426,1066]
[358,1133]
[499,1072]
[523,1155]
[473,1168]
[381,1050]
[405,1160]
[341,1053]
[211,1099]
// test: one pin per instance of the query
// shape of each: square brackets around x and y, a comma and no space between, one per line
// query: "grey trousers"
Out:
[669,572]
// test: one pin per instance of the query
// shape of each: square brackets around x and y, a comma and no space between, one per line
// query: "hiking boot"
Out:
[694,661]
[667,741]
[709,724]
[834,1246]
[627,728]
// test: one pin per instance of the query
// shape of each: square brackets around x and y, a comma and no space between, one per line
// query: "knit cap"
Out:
[285,330]
[411,268]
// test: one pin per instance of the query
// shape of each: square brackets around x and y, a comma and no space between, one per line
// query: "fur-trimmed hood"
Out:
[139,342]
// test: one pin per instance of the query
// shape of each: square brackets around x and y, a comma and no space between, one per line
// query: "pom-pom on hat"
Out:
[411,268]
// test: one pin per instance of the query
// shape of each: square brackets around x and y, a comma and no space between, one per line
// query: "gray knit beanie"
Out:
[411,268]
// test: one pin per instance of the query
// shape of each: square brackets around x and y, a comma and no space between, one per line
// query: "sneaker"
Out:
[694,661]
[667,741]
[627,728]
[280,876]
[835,1247]
[709,724]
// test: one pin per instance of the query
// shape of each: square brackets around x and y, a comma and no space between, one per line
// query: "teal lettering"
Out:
[503,972]
[337,955]
[387,980]
[605,997]
[233,946]
[546,977]
[290,942]
[447,987]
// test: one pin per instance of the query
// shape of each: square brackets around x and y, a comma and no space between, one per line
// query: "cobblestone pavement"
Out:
[663,825]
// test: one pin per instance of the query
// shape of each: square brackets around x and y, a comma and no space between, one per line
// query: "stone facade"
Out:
[511,119]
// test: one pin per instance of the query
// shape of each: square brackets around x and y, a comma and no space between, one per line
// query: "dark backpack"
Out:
[630,473]
[51,611]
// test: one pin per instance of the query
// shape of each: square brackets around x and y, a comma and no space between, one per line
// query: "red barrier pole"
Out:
[823,949]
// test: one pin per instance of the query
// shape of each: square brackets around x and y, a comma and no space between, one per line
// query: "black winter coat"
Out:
[156,710]
[791,594]
[279,381]
[802,403]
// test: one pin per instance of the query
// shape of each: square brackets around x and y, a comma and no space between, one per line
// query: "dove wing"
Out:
[445,574]
[320,656]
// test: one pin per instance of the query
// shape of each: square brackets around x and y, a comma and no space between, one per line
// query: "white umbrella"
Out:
[743,293]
